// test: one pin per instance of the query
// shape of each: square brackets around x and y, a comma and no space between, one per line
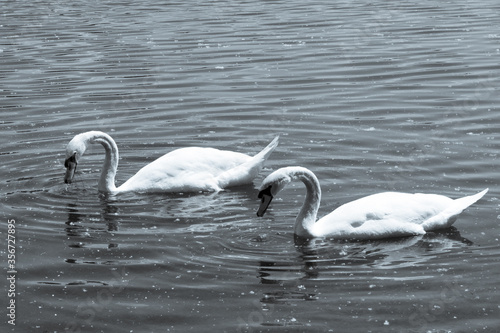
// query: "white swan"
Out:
[383,215]
[190,169]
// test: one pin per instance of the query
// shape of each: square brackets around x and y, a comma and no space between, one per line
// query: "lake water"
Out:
[370,95]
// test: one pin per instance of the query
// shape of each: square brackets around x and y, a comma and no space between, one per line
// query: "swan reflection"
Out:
[77,218]
[323,259]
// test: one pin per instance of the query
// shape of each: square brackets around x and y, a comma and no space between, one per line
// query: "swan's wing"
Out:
[393,214]
[370,229]
[386,214]
[414,208]
[185,170]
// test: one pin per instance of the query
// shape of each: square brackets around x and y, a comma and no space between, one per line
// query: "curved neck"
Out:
[108,173]
[307,215]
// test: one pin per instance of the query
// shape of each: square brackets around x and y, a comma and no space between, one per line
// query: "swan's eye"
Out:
[265,192]
[71,159]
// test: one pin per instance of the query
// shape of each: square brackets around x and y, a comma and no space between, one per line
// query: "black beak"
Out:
[266,198]
[70,165]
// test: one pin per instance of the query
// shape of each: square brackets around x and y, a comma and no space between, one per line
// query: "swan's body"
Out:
[190,169]
[383,215]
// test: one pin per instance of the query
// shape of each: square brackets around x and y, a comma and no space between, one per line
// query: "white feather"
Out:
[382,215]
[190,169]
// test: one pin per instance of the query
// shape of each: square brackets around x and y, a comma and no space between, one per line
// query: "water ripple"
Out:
[370,96]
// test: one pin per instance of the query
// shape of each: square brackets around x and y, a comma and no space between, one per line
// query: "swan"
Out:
[382,215]
[191,169]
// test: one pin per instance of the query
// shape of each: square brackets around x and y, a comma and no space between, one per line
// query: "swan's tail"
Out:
[449,215]
[467,201]
[264,154]
[246,172]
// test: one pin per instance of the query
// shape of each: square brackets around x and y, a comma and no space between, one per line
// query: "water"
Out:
[371,96]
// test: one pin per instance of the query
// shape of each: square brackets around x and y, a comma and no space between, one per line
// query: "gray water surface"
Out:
[371,96]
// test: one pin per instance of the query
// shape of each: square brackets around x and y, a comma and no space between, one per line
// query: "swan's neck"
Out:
[307,215]
[108,173]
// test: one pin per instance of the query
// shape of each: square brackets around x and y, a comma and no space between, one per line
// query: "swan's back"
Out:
[185,170]
[197,159]
[414,208]
[392,214]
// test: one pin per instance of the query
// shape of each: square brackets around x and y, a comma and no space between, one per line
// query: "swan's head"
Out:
[70,164]
[74,150]
[271,186]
